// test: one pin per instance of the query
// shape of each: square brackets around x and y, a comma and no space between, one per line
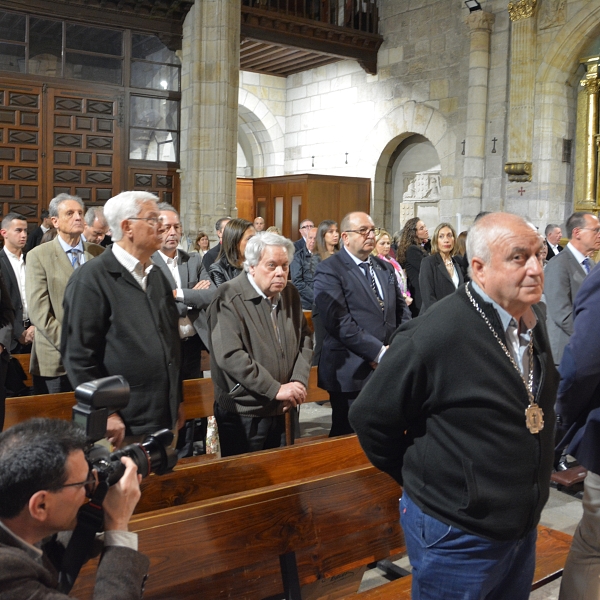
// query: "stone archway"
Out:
[558,93]
[409,119]
[260,136]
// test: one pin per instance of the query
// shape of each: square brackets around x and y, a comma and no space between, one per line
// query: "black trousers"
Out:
[51,385]
[239,434]
[340,405]
[193,430]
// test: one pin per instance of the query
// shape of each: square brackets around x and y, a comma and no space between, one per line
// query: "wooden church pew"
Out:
[233,546]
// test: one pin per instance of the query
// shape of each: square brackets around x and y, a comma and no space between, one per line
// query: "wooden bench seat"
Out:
[552,548]
[197,394]
[231,546]
[199,479]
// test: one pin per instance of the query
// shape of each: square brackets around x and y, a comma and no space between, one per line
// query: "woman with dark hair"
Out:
[413,247]
[461,253]
[328,239]
[202,243]
[327,244]
[229,263]
[441,272]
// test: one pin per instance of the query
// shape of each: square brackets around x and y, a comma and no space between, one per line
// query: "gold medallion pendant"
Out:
[534,418]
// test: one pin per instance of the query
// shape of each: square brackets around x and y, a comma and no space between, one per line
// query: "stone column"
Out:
[591,83]
[522,90]
[480,24]
[209,113]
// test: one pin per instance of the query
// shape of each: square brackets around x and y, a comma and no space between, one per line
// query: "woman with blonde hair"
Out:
[383,242]
[441,273]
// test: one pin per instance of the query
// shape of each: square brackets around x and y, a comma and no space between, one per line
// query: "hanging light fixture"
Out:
[473,5]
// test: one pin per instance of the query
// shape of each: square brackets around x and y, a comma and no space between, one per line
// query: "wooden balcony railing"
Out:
[358,15]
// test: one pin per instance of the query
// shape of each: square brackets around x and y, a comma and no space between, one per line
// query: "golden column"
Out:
[522,84]
[588,113]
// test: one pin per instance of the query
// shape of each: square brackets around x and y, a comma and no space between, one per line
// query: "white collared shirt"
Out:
[18,265]
[186,327]
[517,342]
[133,265]
[578,255]
[67,249]
[358,262]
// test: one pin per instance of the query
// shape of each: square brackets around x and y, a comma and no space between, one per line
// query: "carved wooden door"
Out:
[20,150]
[83,146]
[54,141]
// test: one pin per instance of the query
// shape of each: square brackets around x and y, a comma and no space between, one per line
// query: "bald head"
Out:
[504,252]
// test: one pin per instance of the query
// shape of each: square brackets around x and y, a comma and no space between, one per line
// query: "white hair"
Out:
[124,206]
[256,246]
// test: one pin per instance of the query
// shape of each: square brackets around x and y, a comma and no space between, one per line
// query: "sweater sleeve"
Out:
[386,406]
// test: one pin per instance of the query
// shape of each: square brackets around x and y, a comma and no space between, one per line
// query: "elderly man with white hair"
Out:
[261,349]
[121,319]
[460,412]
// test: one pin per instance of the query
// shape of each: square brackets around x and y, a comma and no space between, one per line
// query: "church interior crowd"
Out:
[473,454]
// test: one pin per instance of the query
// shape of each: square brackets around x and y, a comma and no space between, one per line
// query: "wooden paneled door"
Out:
[163,182]
[54,141]
[83,146]
[20,150]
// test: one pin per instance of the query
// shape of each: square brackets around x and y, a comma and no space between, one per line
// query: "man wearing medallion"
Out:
[455,413]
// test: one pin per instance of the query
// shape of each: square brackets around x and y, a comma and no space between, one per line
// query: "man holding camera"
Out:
[43,479]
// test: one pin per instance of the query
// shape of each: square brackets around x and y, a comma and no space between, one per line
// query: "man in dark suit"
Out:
[35,237]
[564,275]
[578,413]
[553,234]
[12,264]
[302,269]
[305,227]
[193,291]
[211,256]
[360,305]
[121,318]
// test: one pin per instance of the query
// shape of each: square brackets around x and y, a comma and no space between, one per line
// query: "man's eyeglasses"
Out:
[150,220]
[363,231]
[89,484]
[596,230]
[176,228]
[307,227]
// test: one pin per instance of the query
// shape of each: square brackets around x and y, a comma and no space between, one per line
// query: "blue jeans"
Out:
[450,564]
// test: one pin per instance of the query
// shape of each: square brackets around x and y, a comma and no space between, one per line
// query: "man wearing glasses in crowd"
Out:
[564,275]
[360,305]
[122,319]
[44,479]
[305,227]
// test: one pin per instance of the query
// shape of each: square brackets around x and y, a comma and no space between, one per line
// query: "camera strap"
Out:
[90,521]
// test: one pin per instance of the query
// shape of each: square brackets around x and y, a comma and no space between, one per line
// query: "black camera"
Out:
[95,401]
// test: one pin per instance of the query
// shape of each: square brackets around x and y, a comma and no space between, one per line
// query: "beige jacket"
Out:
[48,270]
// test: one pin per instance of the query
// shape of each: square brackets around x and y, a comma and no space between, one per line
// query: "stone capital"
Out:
[522,9]
[480,20]
[591,84]
[518,171]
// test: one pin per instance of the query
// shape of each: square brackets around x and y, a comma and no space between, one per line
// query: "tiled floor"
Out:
[562,511]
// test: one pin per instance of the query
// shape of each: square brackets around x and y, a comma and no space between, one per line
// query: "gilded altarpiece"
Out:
[587,173]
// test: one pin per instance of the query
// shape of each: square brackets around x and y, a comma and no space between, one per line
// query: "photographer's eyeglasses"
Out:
[89,484]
